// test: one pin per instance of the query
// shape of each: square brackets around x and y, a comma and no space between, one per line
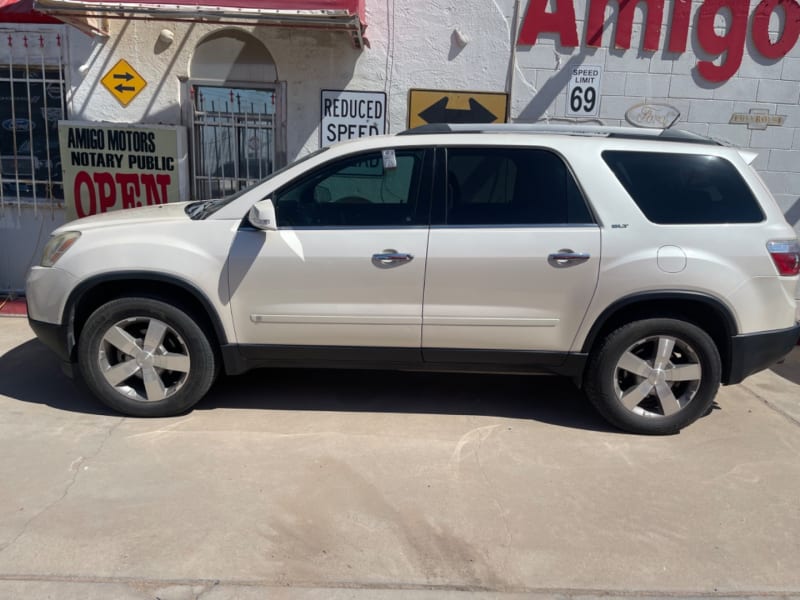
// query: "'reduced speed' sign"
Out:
[583,92]
[348,115]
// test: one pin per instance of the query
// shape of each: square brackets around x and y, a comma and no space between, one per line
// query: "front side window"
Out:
[511,186]
[683,189]
[376,189]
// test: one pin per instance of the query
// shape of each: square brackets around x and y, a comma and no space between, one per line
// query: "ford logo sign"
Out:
[652,115]
[18,125]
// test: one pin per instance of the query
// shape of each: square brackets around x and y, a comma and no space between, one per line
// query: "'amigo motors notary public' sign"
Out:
[111,166]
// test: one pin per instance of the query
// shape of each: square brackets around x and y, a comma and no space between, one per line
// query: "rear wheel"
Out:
[145,358]
[654,376]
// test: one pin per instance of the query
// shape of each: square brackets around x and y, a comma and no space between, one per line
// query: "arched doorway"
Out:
[237,114]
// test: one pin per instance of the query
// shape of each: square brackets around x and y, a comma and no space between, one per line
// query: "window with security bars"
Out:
[32,94]
[233,138]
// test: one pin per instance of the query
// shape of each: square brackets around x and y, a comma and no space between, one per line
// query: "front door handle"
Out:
[566,257]
[391,258]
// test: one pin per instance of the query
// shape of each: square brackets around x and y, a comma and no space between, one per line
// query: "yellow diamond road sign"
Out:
[123,82]
[442,106]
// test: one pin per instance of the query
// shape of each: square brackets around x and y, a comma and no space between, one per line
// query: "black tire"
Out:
[158,377]
[654,376]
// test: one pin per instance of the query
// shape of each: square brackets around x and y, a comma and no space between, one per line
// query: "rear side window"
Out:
[682,189]
[511,186]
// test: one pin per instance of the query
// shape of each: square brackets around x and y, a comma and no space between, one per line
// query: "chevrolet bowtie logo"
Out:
[757,118]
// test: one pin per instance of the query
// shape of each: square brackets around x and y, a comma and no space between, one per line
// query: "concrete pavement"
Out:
[313,484]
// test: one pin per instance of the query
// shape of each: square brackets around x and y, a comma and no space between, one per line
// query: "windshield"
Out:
[203,208]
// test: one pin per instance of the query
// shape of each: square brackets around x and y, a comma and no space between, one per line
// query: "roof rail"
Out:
[673,135]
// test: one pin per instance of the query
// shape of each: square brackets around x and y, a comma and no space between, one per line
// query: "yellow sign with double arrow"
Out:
[123,82]
[442,106]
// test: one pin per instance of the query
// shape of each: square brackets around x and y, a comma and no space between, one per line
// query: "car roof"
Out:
[632,133]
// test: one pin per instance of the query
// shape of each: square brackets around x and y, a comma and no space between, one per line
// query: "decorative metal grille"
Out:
[233,138]
[32,100]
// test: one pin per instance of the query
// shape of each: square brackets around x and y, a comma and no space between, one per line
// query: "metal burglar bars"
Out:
[233,138]
[31,104]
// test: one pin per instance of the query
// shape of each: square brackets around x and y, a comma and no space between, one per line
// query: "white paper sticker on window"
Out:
[389,159]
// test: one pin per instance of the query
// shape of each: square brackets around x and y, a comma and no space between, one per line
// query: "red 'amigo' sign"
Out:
[731,43]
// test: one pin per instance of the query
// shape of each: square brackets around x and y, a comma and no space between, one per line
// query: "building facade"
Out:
[106,106]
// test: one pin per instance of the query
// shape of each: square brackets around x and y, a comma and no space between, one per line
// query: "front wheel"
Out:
[654,376]
[145,358]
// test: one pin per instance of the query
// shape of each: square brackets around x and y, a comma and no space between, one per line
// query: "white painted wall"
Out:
[23,234]
[412,45]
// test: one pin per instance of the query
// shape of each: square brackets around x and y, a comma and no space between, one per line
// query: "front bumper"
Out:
[57,338]
[46,291]
[755,352]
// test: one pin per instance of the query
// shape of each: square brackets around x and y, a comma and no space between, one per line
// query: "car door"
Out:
[513,257]
[343,275]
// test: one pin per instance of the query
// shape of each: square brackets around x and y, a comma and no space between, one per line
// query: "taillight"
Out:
[786,256]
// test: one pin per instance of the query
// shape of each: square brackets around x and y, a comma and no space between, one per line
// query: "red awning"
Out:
[345,15]
[21,11]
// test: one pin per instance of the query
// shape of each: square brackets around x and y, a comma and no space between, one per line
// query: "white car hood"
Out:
[132,216]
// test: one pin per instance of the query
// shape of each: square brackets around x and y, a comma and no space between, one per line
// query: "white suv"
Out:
[649,266]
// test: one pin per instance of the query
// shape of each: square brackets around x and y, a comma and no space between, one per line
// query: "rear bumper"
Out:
[754,352]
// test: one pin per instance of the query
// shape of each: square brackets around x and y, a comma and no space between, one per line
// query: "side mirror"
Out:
[262,215]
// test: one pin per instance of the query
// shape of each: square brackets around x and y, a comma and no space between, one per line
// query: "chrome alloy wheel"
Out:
[144,359]
[657,376]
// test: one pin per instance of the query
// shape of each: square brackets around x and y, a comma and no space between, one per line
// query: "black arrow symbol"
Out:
[439,113]
[126,76]
[125,88]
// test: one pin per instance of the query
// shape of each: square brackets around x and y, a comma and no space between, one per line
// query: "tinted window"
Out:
[367,190]
[511,186]
[673,189]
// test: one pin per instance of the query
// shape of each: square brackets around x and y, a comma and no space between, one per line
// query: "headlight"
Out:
[57,246]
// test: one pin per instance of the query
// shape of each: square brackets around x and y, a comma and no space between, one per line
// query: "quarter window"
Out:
[377,189]
[683,189]
[511,186]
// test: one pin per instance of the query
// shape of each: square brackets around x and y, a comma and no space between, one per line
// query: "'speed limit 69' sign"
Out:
[583,93]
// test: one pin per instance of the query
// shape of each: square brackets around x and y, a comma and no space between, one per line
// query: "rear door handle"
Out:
[566,257]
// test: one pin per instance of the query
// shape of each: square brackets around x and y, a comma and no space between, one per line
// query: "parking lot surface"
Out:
[315,484]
